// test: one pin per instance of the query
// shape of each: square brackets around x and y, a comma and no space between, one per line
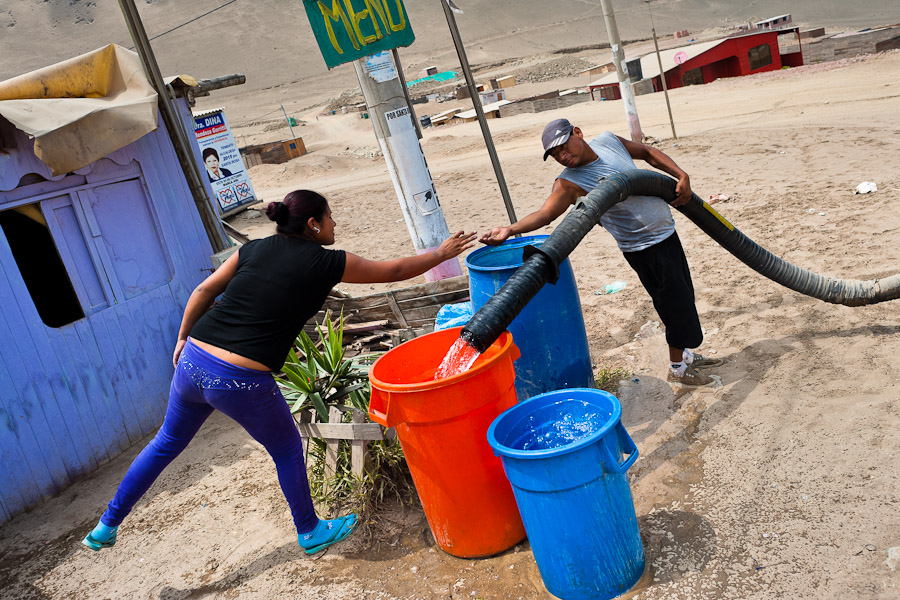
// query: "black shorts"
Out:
[664,272]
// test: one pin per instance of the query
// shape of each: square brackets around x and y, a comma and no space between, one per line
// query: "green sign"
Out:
[350,29]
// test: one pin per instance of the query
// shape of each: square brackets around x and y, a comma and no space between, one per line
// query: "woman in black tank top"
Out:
[225,354]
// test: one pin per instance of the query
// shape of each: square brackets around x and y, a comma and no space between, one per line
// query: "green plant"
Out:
[318,376]
[608,378]
[323,378]
[386,477]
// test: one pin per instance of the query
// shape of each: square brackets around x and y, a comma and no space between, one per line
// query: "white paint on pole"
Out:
[405,160]
[625,88]
[380,67]
[411,161]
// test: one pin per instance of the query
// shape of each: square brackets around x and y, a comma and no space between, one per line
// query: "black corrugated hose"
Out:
[541,265]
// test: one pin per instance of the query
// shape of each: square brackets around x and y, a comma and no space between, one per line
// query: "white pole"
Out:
[634,124]
[396,133]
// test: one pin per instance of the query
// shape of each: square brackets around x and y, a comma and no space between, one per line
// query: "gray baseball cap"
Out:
[556,133]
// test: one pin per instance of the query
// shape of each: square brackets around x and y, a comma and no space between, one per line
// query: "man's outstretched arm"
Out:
[562,196]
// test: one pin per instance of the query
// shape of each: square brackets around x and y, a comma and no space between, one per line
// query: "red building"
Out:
[705,62]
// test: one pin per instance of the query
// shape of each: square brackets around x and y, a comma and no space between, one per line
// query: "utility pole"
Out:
[393,122]
[634,124]
[211,222]
[662,73]
[286,118]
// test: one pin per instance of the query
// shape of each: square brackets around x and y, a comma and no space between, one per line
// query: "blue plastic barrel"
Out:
[550,329]
[566,454]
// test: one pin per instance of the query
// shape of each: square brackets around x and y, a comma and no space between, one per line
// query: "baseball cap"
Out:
[555,134]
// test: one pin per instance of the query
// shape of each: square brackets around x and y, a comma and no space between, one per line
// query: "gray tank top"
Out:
[637,222]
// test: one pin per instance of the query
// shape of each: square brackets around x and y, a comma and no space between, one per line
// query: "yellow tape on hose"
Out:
[722,219]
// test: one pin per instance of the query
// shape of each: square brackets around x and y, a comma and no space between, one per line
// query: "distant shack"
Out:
[273,153]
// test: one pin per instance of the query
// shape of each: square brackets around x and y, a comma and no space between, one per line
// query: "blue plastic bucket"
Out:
[566,454]
[550,329]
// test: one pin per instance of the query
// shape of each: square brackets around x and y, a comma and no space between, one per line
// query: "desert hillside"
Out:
[272,43]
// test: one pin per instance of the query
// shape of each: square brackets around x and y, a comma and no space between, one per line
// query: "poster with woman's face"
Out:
[222,163]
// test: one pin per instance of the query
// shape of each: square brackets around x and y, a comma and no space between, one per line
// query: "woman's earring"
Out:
[317,229]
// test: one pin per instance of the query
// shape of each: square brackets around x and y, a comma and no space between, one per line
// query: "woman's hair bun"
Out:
[278,212]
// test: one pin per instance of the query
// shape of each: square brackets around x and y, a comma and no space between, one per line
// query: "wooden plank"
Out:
[436,300]
[395,308]
[453,285]
[433,287]
[18,447]
[70,397]
[356,328]
[369,338]
[336,305]
[85,391]
[99,383]
[332,445]
[300,419]
[107,332]
[341,431]
[56,449]
[133,354]
[422,313]
[358,446]
[370,308]
[160,335]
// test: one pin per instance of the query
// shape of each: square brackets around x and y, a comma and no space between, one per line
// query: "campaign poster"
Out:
[222,163]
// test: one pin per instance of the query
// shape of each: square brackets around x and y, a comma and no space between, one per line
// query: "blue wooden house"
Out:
[96,266]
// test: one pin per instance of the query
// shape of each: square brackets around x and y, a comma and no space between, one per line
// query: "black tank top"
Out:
[281,282]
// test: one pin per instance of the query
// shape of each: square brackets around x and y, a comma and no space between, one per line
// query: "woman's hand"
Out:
[178,348]
[455,245]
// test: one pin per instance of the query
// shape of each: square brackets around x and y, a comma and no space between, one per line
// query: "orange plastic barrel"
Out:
[442,426]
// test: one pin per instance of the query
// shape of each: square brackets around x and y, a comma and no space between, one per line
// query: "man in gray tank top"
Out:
[641,225]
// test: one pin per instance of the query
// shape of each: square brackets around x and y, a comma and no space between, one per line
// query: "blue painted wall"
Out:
[74,396]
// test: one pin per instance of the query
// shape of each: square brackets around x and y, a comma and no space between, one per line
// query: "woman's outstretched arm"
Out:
[362,270]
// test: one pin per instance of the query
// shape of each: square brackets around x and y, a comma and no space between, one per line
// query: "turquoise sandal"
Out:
[106,537]
[335,530]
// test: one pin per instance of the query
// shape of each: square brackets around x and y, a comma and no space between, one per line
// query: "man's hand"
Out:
[496,236]
[682,191]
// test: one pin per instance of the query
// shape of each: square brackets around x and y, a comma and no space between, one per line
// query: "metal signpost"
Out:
[364,32]
[449,9]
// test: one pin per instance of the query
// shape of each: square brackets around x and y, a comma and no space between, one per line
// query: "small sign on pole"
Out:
[351,29]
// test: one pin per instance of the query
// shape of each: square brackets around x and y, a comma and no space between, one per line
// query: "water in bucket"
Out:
[577,420]
[459,358]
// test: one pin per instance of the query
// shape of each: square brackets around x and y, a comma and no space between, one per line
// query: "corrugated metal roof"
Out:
[778,18]
[650,66]
[208,112]
[486,108]
[606,64]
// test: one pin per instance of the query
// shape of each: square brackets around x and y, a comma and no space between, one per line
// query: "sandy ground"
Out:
[782,483]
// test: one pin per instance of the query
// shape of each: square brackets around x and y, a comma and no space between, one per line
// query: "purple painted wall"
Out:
[128,236]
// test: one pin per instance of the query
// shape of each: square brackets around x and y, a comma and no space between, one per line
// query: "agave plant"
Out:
[324,378]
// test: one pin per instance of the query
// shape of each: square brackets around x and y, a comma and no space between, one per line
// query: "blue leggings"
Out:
[203,383]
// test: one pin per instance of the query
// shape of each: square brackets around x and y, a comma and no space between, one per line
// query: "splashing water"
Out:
[562,432]
[459,359]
